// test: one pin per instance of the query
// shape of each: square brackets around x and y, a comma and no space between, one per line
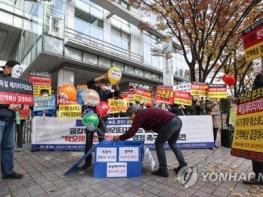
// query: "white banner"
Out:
[51,133]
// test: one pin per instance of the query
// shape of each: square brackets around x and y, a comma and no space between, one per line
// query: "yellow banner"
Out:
[183,102]
[254,52]
[233,115]
[217,95]
[198,93]
[118,105]
[37,89]
[249,132]
[70,111]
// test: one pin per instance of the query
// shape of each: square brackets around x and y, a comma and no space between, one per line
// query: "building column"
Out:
[65,77]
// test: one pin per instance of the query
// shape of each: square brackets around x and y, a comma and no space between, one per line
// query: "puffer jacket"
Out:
[5,113]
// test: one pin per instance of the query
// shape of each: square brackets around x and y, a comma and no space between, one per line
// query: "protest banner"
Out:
[40,81]
[233,115]
[69,111]
[217,91]
[15,91]
[164,94]
[129,96]
[186,87]
[143,96]
[199,89]
[117,105]
[182,98]
[248,135]
[253,40]
[44,103]
[69,133]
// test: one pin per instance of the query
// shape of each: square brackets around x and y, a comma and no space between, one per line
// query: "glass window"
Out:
[124,4]
[120,38]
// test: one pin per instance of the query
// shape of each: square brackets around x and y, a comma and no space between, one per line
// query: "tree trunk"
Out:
[192,73]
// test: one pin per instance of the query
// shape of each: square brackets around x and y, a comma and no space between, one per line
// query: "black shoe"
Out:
[253,181]
[85,166]
[14,175]
[160,173]
[176,170]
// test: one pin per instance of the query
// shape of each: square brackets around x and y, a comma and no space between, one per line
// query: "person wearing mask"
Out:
[103,87]
[7,130]
[168,127]
[257,165]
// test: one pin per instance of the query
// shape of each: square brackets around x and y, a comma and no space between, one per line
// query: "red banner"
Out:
[37,80]
[164,94]
[199,89]
[253,34]
[182,98]
[16,98]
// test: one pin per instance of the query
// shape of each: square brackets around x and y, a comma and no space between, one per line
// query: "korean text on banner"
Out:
[15,91]
[143,96]
[182,98]
[129,96]
[248,136]
[71,111]
[217,91]
[199,89]
[117,105]
[164,94]
[44,103]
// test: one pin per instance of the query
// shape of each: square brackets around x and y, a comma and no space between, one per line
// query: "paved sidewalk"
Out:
[43,176]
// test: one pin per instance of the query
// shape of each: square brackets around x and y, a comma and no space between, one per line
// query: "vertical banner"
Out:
[164,94]
[217,91]
[253,40]
[15,91]
[199,89]
[182,98]
[248,135]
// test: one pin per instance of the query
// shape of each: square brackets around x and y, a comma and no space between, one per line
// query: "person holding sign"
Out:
[103,86]
[168,127]
[7,130]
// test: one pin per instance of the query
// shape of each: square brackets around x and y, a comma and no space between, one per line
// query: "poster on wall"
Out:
[68,133]
[248,135]
[15,91]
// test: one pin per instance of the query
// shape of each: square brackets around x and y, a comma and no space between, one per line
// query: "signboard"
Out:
[72,111]
[117,105]
[164,94]
[253,40]
[15,91]
[186,87]
[183,98]
[129,96]
[38,88]
[44,103]
[248,135]
[118,169]
[143,96]
[217,91]
[199,89]
[54,133]
[105,154]
[128,153]
[40,80]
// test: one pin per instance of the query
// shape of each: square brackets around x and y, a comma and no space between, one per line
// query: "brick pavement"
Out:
[43,176]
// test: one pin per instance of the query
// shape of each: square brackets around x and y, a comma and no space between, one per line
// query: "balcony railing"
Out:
[101,45]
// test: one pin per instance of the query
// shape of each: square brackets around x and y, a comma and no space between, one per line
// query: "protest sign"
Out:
[182,98]
[71,111]
[164,94]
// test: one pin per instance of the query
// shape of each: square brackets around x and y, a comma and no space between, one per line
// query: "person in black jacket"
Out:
[7,131]
[257,165]
[103,87]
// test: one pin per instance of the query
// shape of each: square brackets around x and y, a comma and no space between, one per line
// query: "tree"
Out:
[204,29]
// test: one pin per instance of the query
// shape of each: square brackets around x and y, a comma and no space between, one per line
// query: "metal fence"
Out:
[27,130]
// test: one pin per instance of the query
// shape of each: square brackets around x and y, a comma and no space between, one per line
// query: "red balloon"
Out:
[102,109]
[229,79]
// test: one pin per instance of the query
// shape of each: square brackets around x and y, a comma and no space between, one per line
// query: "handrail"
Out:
[105,46]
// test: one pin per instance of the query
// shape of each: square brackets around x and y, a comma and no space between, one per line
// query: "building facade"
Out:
[76,40]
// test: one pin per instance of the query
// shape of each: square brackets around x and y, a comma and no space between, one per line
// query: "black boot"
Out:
[162,173]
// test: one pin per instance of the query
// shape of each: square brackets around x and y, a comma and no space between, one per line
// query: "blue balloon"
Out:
[88,110]
[79,96]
